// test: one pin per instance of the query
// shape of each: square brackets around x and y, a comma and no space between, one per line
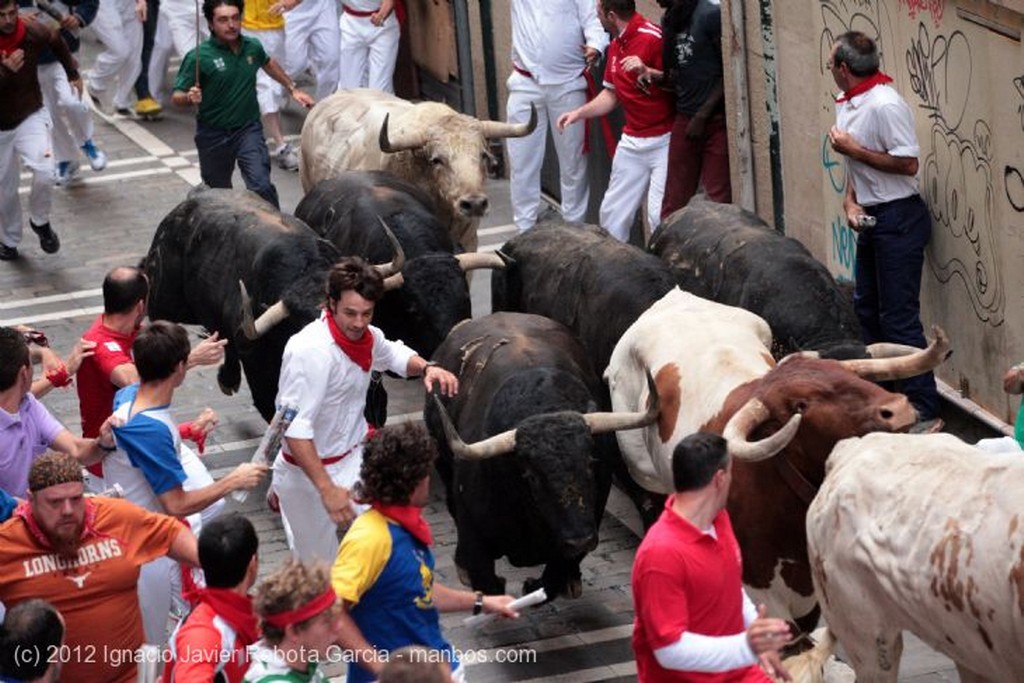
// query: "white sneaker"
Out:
[287,157]
[97,158]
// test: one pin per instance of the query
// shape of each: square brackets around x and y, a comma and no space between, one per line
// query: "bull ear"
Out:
[488,448]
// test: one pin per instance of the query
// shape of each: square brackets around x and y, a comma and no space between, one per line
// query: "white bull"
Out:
[923,534]
[428,144]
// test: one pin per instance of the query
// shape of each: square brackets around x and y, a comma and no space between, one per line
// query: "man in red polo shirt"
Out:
[125,290]
[694,622]
[641,157]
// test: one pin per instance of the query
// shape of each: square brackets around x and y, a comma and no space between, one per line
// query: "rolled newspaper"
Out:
[270,442]
[529,600]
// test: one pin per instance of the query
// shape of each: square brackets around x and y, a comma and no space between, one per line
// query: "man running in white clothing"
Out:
[325,372]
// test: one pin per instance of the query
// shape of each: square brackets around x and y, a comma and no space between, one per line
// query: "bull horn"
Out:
[601,423]
[398,261]
[499,444]
[499,129]
[393,282]
[475,260]
[389,146]
[749,417]
[270,317]
[890,350]
[917,362]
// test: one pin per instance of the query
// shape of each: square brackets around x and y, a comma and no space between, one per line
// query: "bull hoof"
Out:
[229,382]
[573,589]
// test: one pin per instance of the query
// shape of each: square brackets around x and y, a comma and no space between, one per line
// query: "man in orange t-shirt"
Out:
[83,556]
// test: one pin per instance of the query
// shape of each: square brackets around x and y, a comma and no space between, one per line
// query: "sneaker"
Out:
[148,107]
[8,253]
[67,172]
[97,159]
[48,240]
[928,426]
[287,157]
[123,111]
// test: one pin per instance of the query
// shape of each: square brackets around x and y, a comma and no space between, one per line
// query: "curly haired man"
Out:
[384,572]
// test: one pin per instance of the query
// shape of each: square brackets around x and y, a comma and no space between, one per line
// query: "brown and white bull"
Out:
[708,360]
[428,144]
[923,534]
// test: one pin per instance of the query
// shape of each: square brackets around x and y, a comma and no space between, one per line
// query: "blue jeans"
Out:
[219,149]
[890,257]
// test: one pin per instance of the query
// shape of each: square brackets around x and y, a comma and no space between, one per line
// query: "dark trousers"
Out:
[219,149]
[890,257]
[691,162]
[148,34]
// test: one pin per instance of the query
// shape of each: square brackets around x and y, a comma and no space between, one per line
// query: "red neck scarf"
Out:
[361,352]
[9,42]
[867,84]
[409,517]
[24,511]
[236,610]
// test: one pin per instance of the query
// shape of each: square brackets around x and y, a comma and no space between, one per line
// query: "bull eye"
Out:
[436,161]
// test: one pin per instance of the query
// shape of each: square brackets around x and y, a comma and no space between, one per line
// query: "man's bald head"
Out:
[123,287]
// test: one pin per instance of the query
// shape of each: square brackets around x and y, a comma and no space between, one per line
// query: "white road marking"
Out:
[39,301]
[57,315]
[100,179]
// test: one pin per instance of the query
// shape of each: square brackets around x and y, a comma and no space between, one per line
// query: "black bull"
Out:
[542,503]
[725,254]
[213,240]
[583,278]
[434,297]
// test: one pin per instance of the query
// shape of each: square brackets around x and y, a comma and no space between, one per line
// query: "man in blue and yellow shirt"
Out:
[384,572]
[228,127]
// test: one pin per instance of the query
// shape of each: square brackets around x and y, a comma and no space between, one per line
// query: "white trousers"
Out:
[30,142]
[175,33]
[640,164]
[311,534]
[368,53]
[269,93]
[117,67]
[70,114]
[160,581]
[526,155]
[312,39]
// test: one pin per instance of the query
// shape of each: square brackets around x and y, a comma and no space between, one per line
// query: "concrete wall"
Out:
[960,65]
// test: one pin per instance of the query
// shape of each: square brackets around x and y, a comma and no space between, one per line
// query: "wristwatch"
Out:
[478,603]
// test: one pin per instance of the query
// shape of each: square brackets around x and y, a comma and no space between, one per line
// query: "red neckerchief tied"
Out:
[867,84]
[317,605]
[89,530]
[360,352]
[9,42]
[410,518]
[236,610]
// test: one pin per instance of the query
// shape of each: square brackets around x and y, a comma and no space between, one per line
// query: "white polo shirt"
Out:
[882,121]
[548,35]
[329,388]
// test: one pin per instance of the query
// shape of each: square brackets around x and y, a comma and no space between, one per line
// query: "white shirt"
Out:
[548,35]
[880,120]
[329,389]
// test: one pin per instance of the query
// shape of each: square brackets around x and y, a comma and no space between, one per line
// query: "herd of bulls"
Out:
[723,326]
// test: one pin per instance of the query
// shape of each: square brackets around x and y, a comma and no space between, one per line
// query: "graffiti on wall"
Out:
[956,172]
[917,7]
